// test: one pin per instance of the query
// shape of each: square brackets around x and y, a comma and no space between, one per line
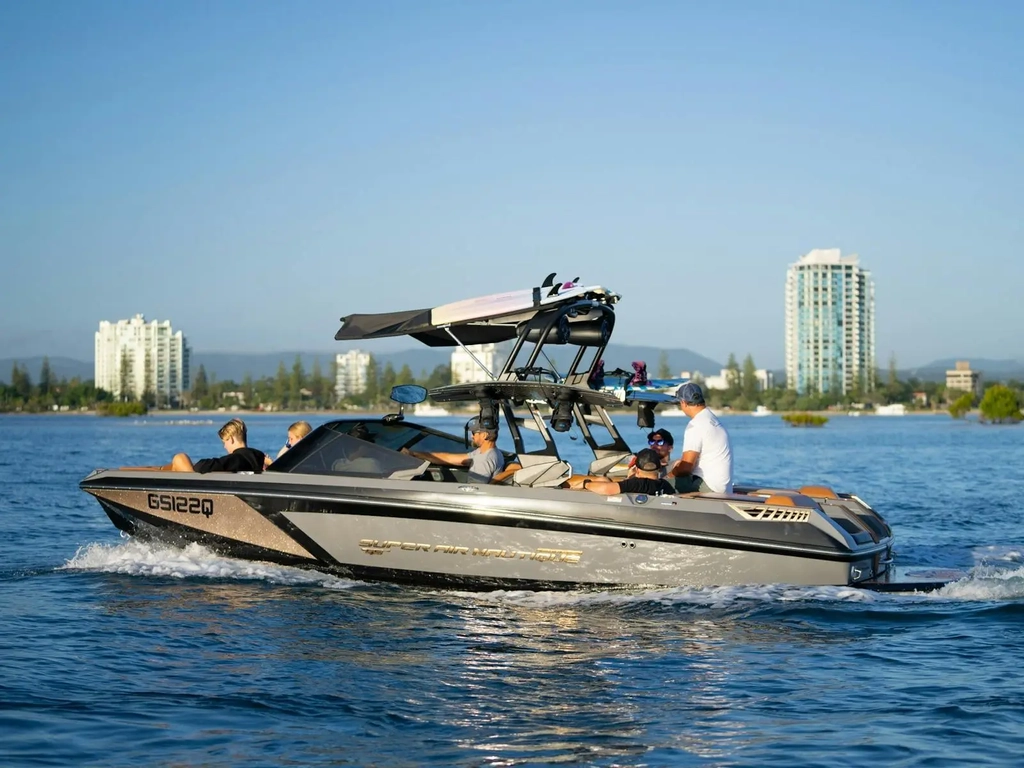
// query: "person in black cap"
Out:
[660,441]
[706,465]
[484,461]
[644,478]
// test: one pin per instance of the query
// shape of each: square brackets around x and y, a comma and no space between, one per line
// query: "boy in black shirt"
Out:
[240,457]
[643,479]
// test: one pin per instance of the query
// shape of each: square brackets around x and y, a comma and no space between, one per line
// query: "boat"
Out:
[427,410]
[347,500]
[761,410]
[895,409]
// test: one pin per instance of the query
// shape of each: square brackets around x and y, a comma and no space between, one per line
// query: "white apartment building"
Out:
[465,368]
[765,379]
[830,323]
[351,376]
[963,378]
[135,357]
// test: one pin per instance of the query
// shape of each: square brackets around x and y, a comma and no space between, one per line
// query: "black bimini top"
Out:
[484,320]
[417,324]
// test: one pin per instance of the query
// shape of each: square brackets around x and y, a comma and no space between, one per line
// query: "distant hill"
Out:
[234,367]
[62,367]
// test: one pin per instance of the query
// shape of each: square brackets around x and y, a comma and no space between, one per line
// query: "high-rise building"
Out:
[465,368]
[352,369]
[135,358]
[830,324]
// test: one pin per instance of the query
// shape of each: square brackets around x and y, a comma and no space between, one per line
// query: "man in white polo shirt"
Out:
[706,465]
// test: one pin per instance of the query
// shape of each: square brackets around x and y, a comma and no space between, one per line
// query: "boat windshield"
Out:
[374,451]
[334,453]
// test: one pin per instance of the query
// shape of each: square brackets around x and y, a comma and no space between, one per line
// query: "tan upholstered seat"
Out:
[791,500]
[819,492]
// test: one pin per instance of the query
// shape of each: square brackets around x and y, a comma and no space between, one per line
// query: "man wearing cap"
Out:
[706,465]
[644,478]
[484,461]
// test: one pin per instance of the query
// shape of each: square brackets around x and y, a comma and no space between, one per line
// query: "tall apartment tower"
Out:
[352,373]
[830,324]
[135,357]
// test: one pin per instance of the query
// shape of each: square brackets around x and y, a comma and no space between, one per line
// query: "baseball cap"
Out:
[648,461]
[664,434]
[690,393]
[477,426]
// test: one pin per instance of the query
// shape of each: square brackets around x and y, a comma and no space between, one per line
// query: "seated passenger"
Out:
[660,441]
[484,461]
[296,432]
[643,478]
[358,462]
[240,457]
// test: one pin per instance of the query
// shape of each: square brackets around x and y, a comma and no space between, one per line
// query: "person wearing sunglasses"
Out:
[643,478]
[661,442]
[485,461]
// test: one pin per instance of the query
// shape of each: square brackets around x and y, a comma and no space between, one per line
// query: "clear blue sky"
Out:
[254,170]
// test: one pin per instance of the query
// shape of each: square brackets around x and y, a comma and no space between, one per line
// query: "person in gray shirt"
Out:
[484,461]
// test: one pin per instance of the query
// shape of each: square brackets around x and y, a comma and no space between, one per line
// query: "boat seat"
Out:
[791,500]
[548,475]
[606,464]
[819,492]
[409,474]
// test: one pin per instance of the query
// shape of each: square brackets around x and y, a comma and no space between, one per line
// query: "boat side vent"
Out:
[773,514]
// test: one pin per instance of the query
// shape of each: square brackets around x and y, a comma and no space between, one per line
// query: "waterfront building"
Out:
[352,369]
[830,324]
[963,378]
[765,379]
[465,368]
[136,359]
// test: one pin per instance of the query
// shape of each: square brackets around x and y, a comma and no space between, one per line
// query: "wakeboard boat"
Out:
[348,500]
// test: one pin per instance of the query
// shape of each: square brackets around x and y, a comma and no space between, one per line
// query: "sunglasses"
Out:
[659,441]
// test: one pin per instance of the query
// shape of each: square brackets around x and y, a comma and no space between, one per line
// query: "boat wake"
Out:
[986,581]
[140,558]
[982,583]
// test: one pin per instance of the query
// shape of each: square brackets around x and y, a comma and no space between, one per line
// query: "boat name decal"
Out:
[165,502]
[541,554]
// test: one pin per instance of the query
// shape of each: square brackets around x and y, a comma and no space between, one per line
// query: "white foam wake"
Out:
[140,558]
[987,582]
[982,583]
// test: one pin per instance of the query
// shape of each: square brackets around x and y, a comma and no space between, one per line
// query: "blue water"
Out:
[119,653]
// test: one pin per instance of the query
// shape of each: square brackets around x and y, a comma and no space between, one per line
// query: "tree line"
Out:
[296,389]
[744,393]
[22,394]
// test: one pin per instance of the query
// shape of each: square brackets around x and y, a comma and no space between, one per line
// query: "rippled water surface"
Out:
[118,653]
